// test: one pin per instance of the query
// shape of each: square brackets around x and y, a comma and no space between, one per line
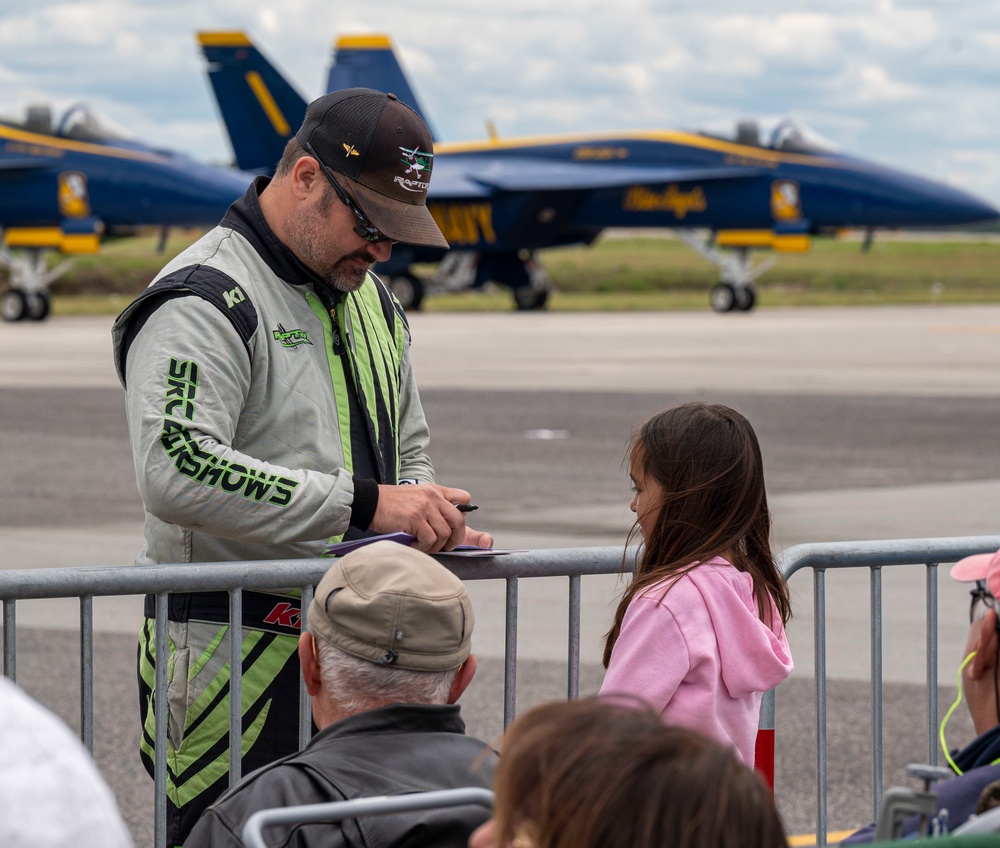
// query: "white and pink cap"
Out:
[979,567]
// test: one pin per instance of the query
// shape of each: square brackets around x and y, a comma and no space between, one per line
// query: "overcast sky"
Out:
[913,83]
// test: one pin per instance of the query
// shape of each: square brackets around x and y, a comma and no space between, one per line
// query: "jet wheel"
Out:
[723,297]
[13,305]
[527,298]
[746,298]
[38,306]
[409,291]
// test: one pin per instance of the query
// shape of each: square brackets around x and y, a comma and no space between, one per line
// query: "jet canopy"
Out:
[770,133]
[78,122]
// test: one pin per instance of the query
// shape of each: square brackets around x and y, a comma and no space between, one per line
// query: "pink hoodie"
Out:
[701,656]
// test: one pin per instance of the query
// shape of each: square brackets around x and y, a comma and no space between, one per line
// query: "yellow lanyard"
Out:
[951,709]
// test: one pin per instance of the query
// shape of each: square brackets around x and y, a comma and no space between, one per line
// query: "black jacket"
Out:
[388,751]
[958,795]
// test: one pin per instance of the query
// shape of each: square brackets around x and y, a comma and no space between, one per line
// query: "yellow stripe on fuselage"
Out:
[767,239]
[52,238]
[263,95]
[37,144]
[81,243]
[33,237]
[743,154]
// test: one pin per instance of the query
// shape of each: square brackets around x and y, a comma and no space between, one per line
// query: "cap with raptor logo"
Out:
[384,148]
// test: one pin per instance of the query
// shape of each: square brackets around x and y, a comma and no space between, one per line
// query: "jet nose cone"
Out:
[979,210]
[942,205]
[885,197]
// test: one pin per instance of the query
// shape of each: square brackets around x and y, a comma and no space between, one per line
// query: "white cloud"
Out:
[913,83]
[874,85]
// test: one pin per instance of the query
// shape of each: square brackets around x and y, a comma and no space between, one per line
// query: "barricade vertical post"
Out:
[235,685]
[87,672]
[10,639]
[305,702]
[763,752]
[932,663]
[819,611]
[160,724]
[573,660]
[878,768]
[510,654]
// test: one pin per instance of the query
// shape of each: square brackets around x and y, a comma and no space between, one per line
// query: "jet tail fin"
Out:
[369,61]
[259,107]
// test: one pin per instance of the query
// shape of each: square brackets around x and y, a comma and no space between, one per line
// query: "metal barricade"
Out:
[572,563]
[234,578]
[875,556]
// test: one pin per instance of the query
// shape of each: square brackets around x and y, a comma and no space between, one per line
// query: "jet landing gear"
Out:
[460,270]
[735,290]
[28,295]
[725,297]
[16,304]
[534,295]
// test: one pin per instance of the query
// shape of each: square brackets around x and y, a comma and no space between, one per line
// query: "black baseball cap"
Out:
[384,148]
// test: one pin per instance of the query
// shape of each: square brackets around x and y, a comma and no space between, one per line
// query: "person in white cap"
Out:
[980,679]
[387,655]
[977,765]
[51,793]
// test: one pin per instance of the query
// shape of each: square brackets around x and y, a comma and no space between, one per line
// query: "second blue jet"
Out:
[752,185]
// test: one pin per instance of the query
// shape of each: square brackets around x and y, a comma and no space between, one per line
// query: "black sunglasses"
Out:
[981,593]
[364,228]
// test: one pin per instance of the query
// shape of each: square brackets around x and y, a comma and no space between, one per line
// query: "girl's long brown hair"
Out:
[707,461]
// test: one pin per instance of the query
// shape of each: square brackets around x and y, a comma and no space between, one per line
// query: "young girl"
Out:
[699,633]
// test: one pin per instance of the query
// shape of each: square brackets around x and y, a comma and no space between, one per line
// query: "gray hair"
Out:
[356,685]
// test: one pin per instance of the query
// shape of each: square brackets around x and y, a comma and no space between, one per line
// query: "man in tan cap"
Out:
[385,659]
[272,409]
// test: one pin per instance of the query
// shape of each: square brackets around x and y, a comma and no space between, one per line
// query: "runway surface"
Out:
[874,423]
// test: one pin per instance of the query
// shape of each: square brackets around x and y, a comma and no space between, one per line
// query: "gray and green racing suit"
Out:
[264,410]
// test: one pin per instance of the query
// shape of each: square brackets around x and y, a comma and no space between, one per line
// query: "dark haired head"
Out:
[606,774]
[705,461]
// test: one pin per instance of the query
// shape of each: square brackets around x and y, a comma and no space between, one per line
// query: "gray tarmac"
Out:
[875,423]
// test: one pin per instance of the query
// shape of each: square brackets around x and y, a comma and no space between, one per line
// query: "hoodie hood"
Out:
[752,656]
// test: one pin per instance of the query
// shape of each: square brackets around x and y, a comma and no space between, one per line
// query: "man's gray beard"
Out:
[343,281]
[304,234]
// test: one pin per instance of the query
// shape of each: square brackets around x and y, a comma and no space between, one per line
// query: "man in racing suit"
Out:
[386,657]
[272,410]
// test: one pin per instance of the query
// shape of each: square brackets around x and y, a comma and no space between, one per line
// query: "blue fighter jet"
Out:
[68,179]
[752,185]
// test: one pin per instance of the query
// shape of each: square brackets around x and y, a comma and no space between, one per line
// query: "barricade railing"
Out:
[335,811]
[236,577]
[572,563]
[875,555]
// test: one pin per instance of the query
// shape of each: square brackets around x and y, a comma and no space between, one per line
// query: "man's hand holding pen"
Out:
[434,514]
